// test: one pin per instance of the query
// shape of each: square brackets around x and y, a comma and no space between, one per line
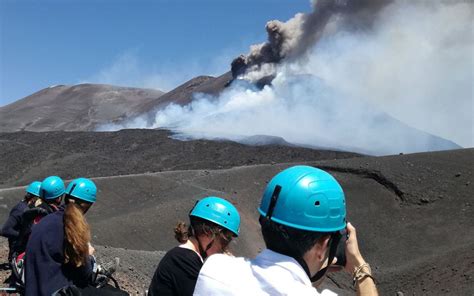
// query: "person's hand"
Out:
[91,249]
[353,257]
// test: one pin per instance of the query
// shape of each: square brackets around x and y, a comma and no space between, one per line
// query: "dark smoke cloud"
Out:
[292,39]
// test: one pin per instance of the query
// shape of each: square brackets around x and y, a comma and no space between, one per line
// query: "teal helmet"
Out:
[34,188]
[83,189]
[305,198]
[52,187]
[218,211]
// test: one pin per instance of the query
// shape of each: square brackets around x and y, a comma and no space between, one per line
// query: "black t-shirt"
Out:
[176,274]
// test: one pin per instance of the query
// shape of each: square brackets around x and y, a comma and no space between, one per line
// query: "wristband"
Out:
[359,274]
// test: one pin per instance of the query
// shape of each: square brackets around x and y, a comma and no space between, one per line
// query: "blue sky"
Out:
[140,43]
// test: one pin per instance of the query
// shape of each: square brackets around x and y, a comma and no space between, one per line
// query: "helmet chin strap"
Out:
[202,250]
[333,242]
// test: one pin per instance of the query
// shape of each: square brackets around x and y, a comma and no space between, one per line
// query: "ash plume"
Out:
[292,39]
[376,81]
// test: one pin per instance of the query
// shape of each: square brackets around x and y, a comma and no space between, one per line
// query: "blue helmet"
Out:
[83,189]
[218,211]
[52,187]
[34,188]
[305,198]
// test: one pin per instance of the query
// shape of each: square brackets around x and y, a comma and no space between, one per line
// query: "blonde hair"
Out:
[77,236]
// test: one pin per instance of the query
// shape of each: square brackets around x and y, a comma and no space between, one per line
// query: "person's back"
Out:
[31,216]
[12,227]
[269,273]
[45,272]
[177,273]
[42,254]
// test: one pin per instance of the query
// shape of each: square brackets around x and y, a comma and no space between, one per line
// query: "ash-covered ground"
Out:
[413,212]
[27,156]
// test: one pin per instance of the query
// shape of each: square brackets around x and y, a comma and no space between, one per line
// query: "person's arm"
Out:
[8,229]
[357,266]
[81,276]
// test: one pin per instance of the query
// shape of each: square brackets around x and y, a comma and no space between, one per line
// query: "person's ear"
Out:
[321,247]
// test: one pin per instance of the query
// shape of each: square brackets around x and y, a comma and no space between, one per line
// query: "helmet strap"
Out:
[202,250]
[71,190]
[273,201]
[333,242]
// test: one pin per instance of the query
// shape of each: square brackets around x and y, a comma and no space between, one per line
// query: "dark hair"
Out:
[198,227]
[287,240]
[29,196]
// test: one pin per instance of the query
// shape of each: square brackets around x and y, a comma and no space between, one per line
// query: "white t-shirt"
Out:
[269,273]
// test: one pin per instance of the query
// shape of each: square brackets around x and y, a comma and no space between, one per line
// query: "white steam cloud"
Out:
[354,89]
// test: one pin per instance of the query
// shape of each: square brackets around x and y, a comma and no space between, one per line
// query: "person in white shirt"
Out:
[303,221]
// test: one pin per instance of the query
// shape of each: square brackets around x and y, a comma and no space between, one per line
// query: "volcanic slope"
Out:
[86,107]
[74,108]
[413,214]
[183,94]
[89,107]
[408,138]
[28,156]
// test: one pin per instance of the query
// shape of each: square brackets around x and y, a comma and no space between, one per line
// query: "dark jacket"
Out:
[31,216]
[11,228]
[45,271]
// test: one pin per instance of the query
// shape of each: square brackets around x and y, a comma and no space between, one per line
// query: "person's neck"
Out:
[191,244]
[314,265]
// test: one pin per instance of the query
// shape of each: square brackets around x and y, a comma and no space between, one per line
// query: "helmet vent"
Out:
[228,214]
[207,205]
[225,222]
[317,203]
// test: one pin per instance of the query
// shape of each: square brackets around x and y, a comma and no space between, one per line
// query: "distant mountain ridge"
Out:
[183,94]
[74,108]
[84,107]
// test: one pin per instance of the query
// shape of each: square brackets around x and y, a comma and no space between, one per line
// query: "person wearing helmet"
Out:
[50,195]
[11,227]
[213,223]
[59,254]
[303,220]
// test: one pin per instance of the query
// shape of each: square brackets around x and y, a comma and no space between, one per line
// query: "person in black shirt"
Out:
[11,228]
[213,223]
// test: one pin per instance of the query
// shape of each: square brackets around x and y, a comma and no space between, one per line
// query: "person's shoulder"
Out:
[181,254]
[48,222]
[19,207]
[219,259]
[52,217]
[224,267]
[227,275]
